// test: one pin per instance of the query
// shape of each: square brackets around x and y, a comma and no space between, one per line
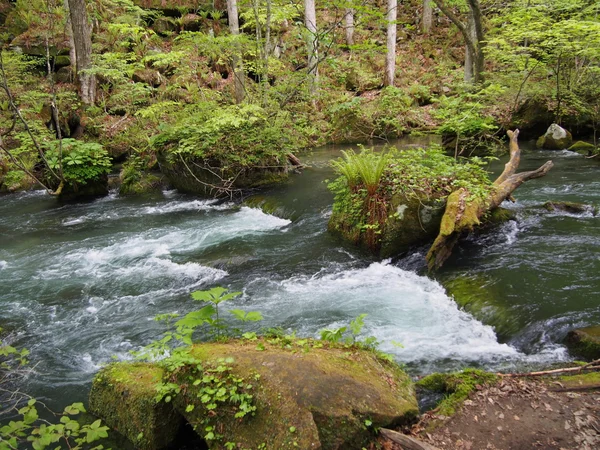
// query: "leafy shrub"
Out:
[234,135]
[80,162]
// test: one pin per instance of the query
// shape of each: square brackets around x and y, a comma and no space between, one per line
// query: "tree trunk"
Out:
[474,43]
[238,68]
[427,16]
[390,58]
[310,21]
[349,29]
[82,39]
[469,56]
[463,215]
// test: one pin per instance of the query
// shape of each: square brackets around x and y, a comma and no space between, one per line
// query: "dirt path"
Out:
[519,414]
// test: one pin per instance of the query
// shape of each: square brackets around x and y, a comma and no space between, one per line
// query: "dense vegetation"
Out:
[183,80]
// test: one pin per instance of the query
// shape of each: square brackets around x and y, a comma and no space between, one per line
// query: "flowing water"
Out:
[80,284]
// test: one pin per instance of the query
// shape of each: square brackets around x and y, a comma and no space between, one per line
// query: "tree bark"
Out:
[238,68]
[469,56]
[310,21]
[427,16]
[390,58]
[463,215]
[349,26]
[82,39]
[474,43]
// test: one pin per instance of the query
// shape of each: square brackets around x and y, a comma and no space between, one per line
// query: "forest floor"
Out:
[519,414]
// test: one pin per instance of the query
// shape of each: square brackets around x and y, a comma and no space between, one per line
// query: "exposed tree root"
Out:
[463,214]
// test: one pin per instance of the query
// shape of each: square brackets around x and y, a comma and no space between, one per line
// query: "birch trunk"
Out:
[238,68]
[310,21]
[390,58]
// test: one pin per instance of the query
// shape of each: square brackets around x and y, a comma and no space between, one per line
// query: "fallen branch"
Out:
[463,213]
[407,442]
[594,365]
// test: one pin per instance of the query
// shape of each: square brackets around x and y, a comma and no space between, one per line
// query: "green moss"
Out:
[323,391]
[581,380]
[570,207]
[123,395]
[458,386]
[141,183]
[481,297]
[583,148]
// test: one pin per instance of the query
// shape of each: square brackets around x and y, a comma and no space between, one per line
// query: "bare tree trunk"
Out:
[469,56]
[427,16]
[69,30]
[310,21]
[463,215]
[238,68]
[474,46]
[82,39]
[390,58]
[349,30]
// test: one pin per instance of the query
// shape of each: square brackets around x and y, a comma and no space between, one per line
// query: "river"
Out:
[81,283]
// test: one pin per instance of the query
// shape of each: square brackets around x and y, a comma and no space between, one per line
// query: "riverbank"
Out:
[562,412]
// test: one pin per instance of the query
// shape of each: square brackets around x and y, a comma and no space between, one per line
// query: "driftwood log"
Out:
[406,442]
[463,213]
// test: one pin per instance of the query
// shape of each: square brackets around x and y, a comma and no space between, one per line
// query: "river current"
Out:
[81,283]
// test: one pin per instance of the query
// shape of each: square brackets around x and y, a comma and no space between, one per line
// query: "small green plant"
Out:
[28,427]
[349,335]
[79,162]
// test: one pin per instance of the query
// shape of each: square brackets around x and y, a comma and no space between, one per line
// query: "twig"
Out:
[594,365]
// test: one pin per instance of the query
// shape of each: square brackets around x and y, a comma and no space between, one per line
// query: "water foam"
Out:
[3,265]
[402,306]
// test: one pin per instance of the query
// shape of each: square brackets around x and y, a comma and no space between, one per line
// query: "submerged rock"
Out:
[556,138]
[305,397]
[584,342]
[583,148]
[570,207]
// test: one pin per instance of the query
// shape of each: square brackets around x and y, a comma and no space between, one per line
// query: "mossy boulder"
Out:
[555,138]
[312,397]
[583,148]
[205,178]
[570,207]
[413,221]
[97,187]
[123,394]
[142,183]
[306,396]
[165,25]
[584,342]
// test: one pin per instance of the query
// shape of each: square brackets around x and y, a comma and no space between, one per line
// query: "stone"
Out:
[583,148]
[310,395]
[570,207]
[555,138]
[195,179]
[123,395]
[584,342]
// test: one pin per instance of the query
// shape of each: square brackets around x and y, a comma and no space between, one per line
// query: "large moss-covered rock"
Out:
[306,396]
[412,222]
[584,342]
[195,177]
[555,138]
[123,394]
[315,399]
